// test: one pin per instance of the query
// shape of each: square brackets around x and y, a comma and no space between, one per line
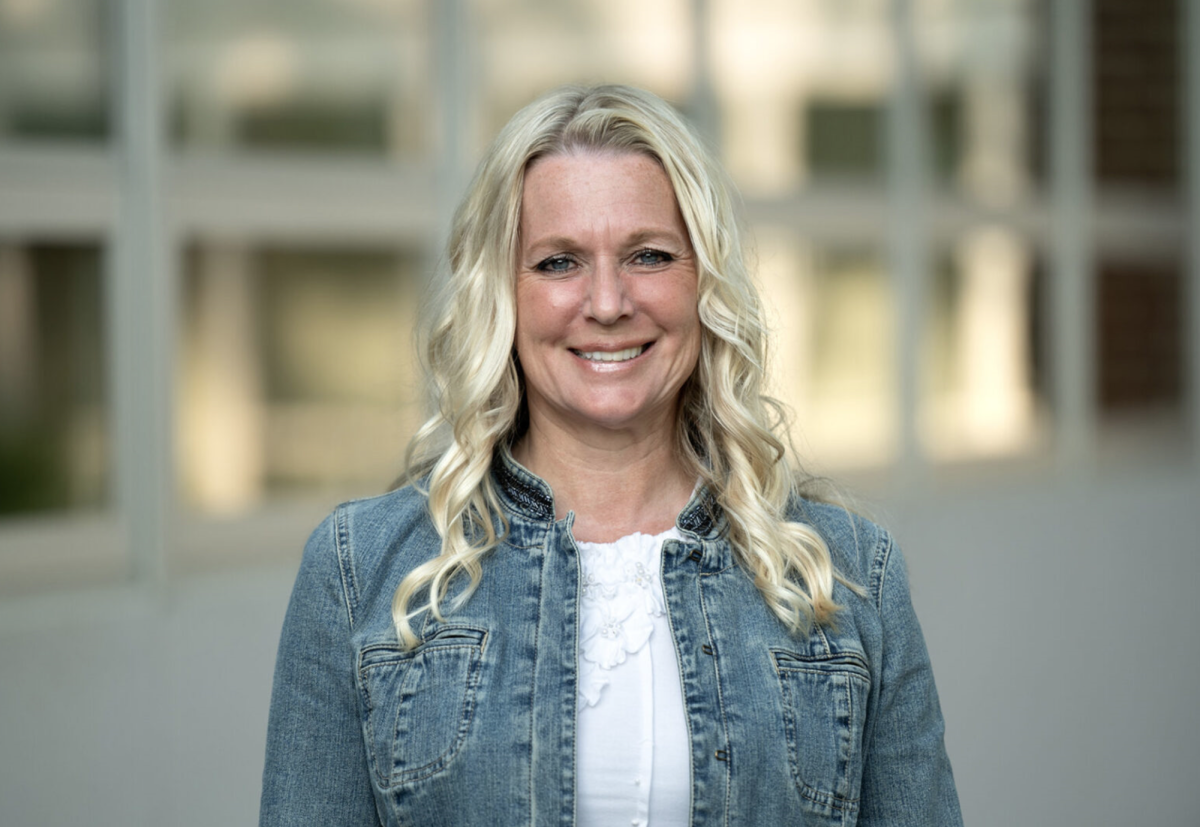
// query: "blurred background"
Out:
[971,220]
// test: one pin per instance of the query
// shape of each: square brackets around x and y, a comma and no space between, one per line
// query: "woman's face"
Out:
[607,322]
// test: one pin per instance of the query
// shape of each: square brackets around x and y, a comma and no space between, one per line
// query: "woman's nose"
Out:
[608,300]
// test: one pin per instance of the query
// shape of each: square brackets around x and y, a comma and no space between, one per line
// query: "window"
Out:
[527,47]
[297,374]
[54,71]
[54,437]
[973,239]
[350,79]
[982,392]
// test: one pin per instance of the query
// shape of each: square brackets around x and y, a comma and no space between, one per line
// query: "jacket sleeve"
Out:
[906,778]
[316,770]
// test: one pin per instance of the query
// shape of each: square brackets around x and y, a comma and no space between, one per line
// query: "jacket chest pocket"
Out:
[418,703]
[824,706]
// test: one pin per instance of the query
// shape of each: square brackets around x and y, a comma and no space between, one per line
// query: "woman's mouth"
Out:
[611,355]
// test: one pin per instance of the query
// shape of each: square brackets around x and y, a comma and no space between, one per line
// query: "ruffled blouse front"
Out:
[633,761]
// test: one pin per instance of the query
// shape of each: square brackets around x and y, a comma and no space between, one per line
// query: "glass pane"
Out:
[298,376]
[983,388]
[54,439]
[309,75]
[1136,88]
[1140,337]
[844,139]
[982,69]
[831,310]
[54,69]
[801,88]
[530,46]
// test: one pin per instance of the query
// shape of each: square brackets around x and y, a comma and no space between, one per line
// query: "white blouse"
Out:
[634,764]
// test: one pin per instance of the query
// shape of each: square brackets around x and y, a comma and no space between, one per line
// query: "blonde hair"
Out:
[728,433]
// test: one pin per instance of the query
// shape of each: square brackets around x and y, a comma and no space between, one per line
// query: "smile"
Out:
[611,355]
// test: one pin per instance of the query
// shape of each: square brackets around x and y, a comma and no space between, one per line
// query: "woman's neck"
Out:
[615,486]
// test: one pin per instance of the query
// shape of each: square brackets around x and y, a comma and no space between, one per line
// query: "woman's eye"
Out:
[649,258]
[555,264]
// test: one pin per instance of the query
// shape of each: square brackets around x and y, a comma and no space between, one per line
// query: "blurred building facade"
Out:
[217,219]
[972,240]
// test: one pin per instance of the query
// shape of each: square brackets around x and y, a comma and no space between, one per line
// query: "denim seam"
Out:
[830,799]
[537,635]
[662,564]
[412,655]
[539,527]
[517,547]
[825,642]
[845,688]
[723,548]
[720,705]
[575,673]
[880,562]
[812,670]
[843,663]
[813,665]
[425,639]
[345,563]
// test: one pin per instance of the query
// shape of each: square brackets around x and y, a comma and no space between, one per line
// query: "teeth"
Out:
[612,355]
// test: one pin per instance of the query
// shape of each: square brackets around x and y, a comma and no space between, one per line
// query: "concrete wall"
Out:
[1065,633]
[1061,617]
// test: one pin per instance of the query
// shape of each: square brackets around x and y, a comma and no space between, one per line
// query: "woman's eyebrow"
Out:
[554,242]
[657,234]
[567,243]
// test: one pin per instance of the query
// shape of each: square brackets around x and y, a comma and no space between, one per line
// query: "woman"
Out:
[602,600]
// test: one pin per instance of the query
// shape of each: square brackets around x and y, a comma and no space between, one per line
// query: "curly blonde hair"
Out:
[728,433]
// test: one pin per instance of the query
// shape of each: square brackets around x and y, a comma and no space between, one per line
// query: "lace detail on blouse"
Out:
[621,595]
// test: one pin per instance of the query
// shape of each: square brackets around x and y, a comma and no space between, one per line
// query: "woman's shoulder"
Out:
[377,532]
[860,548]
[390,510]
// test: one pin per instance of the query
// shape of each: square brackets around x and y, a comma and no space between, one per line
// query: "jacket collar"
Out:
[523,492]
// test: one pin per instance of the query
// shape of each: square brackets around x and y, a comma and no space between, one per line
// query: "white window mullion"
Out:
[141,289]
[1072,313]
[705,112]
[56,192]
[455,70]
[908,251]
[1191,152]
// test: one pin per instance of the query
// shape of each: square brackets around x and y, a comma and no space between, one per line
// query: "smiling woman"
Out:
[607,329]
[602,598]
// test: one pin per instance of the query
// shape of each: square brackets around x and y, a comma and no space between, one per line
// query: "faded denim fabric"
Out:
[476,726]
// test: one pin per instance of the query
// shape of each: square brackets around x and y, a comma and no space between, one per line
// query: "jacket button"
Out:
[706,649]
[722,755]
[696,555]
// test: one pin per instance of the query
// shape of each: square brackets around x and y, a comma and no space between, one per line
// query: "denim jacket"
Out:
[476,725]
